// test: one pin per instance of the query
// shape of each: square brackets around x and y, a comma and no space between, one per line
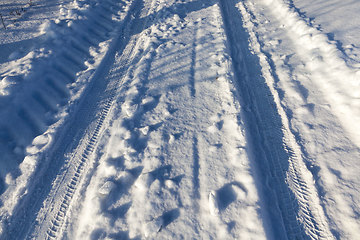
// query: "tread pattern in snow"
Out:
[51,90]
[55,229]
[277,161]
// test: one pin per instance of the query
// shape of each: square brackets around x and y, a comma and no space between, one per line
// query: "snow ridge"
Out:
[306,85]
[328,69]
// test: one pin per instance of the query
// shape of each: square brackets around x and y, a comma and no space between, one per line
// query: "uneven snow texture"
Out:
[179,119]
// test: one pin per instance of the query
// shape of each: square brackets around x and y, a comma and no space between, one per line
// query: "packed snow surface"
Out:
[179,119]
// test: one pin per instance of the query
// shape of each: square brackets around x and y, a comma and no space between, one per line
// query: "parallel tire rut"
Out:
[278,162]
[59,218]
[57,85]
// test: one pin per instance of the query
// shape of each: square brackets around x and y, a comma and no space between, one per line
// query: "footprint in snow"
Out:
[219,200]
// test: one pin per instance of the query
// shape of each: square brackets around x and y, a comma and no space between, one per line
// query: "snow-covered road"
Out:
[177,119]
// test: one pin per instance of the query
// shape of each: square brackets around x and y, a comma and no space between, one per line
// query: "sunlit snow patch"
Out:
[213,204]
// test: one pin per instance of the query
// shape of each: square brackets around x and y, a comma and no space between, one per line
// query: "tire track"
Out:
[71,178]
[60,216]
[126,60]
[279,158]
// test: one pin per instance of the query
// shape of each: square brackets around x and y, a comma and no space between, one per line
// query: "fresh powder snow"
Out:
[179,119]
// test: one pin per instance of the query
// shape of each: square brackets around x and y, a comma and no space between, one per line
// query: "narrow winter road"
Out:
[181,119]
